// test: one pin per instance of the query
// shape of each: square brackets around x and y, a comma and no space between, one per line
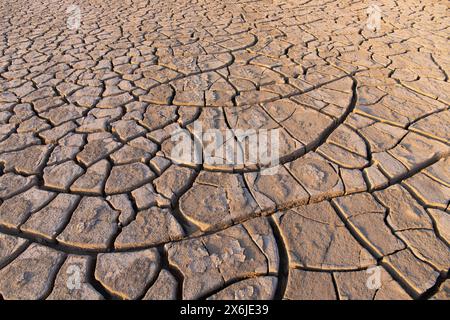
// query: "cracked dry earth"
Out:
[88,187]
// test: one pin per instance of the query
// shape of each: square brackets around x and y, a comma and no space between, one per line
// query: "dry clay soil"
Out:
[94,206]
